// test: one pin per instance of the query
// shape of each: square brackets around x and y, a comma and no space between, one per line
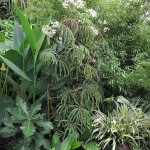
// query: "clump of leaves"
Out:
[123,126]
[80,93]
[28,125]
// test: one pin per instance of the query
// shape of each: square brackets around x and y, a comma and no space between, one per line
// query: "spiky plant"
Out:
[71,59]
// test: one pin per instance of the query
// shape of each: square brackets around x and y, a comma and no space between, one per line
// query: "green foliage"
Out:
[29,123]
[123,126]
[6,28]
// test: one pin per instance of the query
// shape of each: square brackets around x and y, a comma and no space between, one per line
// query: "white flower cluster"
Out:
[91,12]
[94,30]
[102,22]
[76,3]
[50,31]
[106,29]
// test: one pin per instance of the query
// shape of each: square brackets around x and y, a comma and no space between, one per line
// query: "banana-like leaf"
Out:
[18,36]
[11,55]
[15,68]
[27,29]
[28,128]
[41,38]
[66,144]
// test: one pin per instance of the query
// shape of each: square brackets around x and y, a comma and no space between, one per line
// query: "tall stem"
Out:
[34,81]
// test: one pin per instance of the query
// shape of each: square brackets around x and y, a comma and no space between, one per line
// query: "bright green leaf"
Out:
[28,128]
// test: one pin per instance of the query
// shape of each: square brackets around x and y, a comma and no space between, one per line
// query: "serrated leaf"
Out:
[17,113]
[66,144]
[23,105]
[55,139]
[28,128]
[91,146]
[35,108]
[5,103]
[48,126]
[43,141]
[7,132]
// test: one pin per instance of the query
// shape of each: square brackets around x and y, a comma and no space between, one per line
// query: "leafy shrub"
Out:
[27,123]
[123,126]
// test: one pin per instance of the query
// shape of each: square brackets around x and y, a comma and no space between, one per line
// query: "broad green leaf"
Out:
[7,132]
[123,100]
[40,39]
[18,36]
[91,146]
[15,68]
[76,144]
[11,55]
[24,48]
[66,144]
[22,105]
[27,29]
[48,126]
[28,128]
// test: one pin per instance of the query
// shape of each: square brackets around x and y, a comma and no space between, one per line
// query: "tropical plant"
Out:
[122,127]
[80,94]
[27,123]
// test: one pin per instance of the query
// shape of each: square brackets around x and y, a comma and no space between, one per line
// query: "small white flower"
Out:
[76,3]
[104,22]
[94,30]
[55,24]
[65,4]
[92,12]
[79,3]
[48,31]
[100,21]
[106,29]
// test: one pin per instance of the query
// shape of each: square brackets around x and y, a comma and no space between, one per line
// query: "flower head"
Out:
[92,12]
[76,3]
[50,31]
[94,30]
[106,29]
[104,22]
